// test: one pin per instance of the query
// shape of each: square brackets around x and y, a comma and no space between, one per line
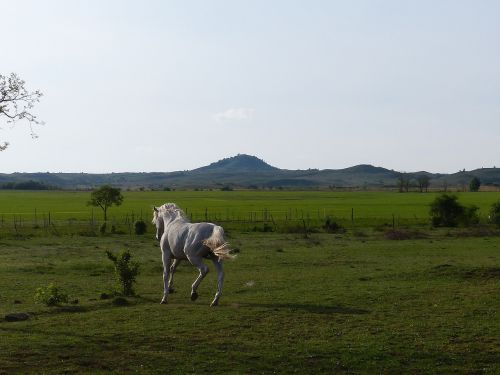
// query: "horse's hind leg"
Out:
[173,267]
[220,281]
[198,263]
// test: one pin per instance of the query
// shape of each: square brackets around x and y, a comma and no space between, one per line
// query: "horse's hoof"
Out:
[163,302]
[214,304]
[194,296]
[171,290]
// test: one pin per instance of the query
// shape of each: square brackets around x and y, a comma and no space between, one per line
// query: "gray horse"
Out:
[180,239]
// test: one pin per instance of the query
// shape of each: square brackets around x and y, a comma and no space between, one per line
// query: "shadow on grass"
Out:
[103,305]
[461,272]
[316,309]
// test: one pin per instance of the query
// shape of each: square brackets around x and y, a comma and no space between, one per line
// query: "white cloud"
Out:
[235,114]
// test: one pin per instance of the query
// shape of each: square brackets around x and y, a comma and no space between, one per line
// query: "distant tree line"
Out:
[422,182]
[27,185]
[405,182]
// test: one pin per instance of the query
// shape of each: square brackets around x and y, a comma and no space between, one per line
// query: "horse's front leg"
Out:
[220,281]
[166,270]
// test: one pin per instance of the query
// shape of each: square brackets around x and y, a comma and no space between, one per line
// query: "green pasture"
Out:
[326,304]
[358,208]
[351,302]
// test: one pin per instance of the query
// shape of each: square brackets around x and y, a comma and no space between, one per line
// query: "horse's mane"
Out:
[172,208]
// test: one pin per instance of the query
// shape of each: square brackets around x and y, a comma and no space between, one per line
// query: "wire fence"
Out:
[267,220]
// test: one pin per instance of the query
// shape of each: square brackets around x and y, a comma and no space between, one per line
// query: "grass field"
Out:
[354,302]
[367,208]
[291,305]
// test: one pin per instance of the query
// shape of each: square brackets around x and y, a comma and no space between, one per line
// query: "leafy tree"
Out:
[423,182]
[475,184]
[105,197]
[16,102]
[445,186]
[403,182]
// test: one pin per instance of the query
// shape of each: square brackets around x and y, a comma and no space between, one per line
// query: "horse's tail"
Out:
[218,244]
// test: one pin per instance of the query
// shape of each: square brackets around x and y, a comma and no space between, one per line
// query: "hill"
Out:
[238,163]
[246,171]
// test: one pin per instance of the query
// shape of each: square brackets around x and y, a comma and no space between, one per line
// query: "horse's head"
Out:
[164,215]
[158,222]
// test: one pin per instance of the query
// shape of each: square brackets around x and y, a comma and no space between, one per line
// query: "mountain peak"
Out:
[365,168]
[240,162]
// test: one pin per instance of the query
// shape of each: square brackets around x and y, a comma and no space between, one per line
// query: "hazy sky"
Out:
[174,85]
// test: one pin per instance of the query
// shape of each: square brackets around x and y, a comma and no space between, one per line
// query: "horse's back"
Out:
[188,239]
[197,234]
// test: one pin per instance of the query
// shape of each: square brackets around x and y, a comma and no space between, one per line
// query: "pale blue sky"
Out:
[174,85]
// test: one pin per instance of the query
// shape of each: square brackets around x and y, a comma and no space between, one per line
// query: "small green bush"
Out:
[265,228]
[332,226]
[470,216]
[126,270]
[140,227]
[51,295]
[495,214]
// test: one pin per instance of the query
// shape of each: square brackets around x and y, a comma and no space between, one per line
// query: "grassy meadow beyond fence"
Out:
[68,211]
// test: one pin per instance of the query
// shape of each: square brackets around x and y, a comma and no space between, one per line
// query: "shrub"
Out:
[140,227]
[495,214]
[265,228]
[331,226]
[51,295]
[446,211]
[470,216]
[126,270]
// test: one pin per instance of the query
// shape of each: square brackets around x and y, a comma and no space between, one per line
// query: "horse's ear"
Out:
[155,209]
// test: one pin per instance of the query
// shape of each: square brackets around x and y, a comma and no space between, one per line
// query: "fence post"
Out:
[306,235]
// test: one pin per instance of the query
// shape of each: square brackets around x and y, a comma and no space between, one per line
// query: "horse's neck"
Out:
[176,221]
